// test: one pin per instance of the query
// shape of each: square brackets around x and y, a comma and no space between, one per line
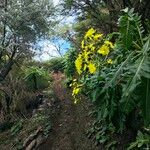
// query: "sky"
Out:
[46,49]
[55,2]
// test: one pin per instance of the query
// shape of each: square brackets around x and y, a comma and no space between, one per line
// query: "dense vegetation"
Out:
[113,68]
[108,64]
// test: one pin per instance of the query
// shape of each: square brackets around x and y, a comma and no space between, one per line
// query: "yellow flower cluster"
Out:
[89,33]
[78,64]
[92,68]
[89,56]
[105,48]
[83,63]
[92,35]
[76,89]
[84,60]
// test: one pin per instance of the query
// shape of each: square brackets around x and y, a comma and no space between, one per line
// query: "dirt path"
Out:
[70,125]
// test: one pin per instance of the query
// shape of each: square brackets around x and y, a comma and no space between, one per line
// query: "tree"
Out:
[22,22]
[103,14]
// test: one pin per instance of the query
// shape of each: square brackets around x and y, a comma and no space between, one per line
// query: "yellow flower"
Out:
[75,101]
[92,68]
[91,47]
[110,61]
[78,64]
[75,91]
[86,48]
[108,43]
[104,50]
[97,37]
[89,33]
[86,55]
[82,44]
[74,82]
[85,66]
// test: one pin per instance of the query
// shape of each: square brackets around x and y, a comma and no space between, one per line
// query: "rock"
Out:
[28,140]
[58,106]
[40,109]
[60,125]
[53,100]
[31,145]
[45,101]
[34,112]
[39,130]
[49,104]
[42,106]
[32,137]
[40,140]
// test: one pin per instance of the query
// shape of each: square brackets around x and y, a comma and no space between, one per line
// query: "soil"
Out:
[71,122]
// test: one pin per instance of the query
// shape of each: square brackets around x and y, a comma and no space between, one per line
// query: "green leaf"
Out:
[96,94]
[131,29]
[140,68]
[146,100]
[109,145]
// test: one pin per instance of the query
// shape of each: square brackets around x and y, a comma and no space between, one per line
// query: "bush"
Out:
[36,78]
[54,64]
[69,65]
[116,76]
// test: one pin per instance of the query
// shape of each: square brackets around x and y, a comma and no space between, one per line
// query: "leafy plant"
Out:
[142,141]
[55,64]
[69,65]
[36,78]
[17,127]
[116,76]
[47,129]
[134,72]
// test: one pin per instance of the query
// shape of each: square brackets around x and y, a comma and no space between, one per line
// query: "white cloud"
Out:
[55,2]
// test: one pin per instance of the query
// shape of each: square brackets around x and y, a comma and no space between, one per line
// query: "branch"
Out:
[7,67]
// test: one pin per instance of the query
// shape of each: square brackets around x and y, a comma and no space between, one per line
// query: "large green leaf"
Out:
[141,67]
[140,78]
[130,29]
[145,91]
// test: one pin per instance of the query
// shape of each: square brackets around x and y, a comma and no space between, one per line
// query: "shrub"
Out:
[36,78]
[116,76]
[69,65]
[55,64]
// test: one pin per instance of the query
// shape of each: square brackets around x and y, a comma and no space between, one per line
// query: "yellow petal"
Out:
[82,44]
[104,50]
[108,43]
[110,61]
[92,68]
[89,33]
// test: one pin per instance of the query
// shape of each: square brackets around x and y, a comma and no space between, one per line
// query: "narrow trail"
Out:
[70,125]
